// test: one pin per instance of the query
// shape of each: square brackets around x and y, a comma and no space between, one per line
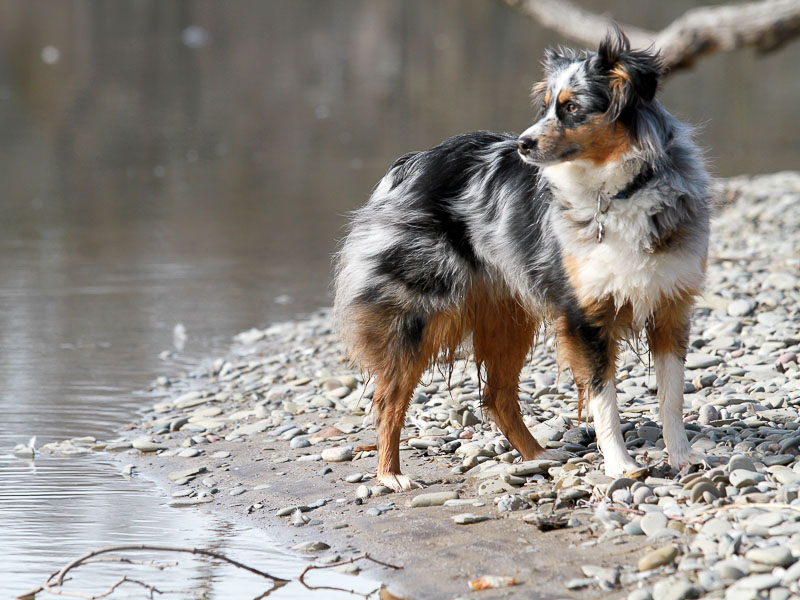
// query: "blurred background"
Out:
[193,161]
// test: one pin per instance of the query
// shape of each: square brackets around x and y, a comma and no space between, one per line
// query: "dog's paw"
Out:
[397,482]
[616,467]
[561,456]
[685,458]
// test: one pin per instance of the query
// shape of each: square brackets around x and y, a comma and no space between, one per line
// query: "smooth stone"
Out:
[433,499]
[640,594]
[189,453]
[176,475]
[532,467]
[339,454]
[494,486]
[577,584]
[778,556]
[354,477]
[742,478]
[657,558]
[784,475]
[653,523]
[758,582]
[716,527]
[697,360]
[710,580]
[221,454]
[147,445]
[633,528]
[740,461]
[299,442]
[237,491]
[702,488]
[741,307]
[310,547]
[620,483]
[649,433]
[707,414]
[675,589]
[363,492]
[469,518]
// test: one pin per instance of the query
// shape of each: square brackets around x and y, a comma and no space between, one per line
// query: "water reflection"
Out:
[191,162]
[73,505]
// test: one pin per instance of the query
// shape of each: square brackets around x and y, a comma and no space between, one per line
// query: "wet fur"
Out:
[489,235]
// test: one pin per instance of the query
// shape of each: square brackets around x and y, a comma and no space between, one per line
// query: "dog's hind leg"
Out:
[668,335]
[391,399]
[404,345]
[503,335]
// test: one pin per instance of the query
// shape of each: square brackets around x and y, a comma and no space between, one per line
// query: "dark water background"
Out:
[191,162]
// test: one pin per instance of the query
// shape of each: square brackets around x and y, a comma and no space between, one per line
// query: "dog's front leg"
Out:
[591,353]
[605,412]
[668,335]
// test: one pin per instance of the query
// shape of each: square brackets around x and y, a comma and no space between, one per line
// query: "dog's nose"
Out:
[526,145]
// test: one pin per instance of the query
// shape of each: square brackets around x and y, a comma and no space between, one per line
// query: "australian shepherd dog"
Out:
[594,221]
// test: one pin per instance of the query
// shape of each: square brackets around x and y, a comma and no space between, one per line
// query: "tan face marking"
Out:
[564,96]
[547,98]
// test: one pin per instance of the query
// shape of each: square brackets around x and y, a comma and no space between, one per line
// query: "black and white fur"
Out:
[503,229]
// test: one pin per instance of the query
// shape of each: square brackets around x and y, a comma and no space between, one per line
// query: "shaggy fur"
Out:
[594,220]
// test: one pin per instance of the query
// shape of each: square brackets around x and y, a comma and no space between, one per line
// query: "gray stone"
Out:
[707,414]
[741,307]
[696,360]
[675,589]
[740,461]
[532,467]
[640,594]
[432,499]
[741,478]
[310,547]
[237,491]
[653,523]
[363,492]
[657,558]
[777,556]
[469,518]
[758,582]
[144,444]
[338,454]
[354,477]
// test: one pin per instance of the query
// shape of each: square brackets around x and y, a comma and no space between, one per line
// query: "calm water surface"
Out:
[191,162]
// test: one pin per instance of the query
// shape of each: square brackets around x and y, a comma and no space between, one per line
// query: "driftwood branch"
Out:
[765,26]
[339,564]
[58,578]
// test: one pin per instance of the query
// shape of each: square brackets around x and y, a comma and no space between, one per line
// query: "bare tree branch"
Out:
[53,583]
[766,26]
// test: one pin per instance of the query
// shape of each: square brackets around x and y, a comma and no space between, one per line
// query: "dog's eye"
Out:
[571,107]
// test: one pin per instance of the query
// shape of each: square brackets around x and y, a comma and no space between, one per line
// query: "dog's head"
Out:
[589,102]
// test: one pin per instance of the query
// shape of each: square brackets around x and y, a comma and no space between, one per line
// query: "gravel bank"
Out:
[277,434]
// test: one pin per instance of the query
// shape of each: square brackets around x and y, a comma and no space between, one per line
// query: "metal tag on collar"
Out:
[601,229]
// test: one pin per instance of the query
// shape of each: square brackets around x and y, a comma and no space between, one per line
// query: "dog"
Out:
[594,221]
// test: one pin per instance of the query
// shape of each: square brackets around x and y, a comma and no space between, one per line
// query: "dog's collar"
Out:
[642,178]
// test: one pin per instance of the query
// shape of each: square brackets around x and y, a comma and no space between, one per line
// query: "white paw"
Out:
[561,456]
[397,482]
[684,458]
[619,465]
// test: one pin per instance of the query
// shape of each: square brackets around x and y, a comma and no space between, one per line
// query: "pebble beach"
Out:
[278,434]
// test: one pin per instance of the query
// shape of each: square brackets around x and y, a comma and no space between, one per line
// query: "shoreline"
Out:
[278,426]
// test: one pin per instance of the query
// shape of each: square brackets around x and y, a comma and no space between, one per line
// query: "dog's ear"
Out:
[632,74]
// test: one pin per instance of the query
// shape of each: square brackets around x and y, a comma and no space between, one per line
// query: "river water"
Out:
[168,163]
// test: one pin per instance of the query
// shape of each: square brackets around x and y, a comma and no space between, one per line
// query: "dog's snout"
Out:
[526,145]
